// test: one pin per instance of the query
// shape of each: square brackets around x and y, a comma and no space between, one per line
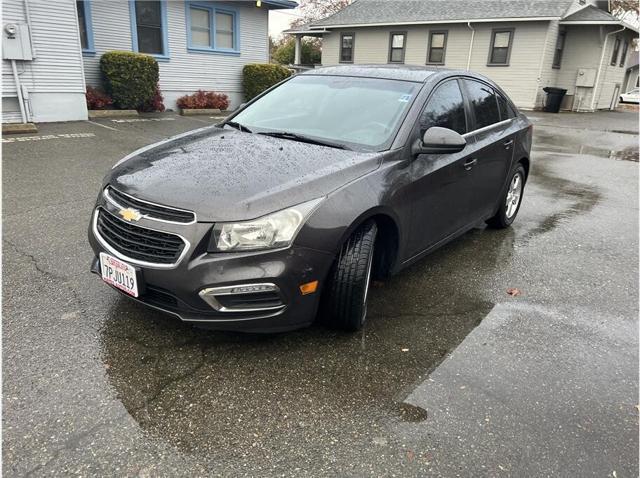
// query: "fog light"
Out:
[309,287]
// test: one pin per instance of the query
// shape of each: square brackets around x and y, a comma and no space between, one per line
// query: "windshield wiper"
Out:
[238,126]
[303,139]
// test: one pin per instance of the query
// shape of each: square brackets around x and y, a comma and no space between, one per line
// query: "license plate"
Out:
[119,274]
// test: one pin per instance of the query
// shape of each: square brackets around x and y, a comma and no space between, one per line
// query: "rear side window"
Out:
[506,112]
[483,103]
[445,108]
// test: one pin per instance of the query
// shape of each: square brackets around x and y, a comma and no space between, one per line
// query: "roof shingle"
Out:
[411,11]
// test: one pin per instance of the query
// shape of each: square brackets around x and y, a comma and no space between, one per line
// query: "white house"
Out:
[52,48]
[523,45]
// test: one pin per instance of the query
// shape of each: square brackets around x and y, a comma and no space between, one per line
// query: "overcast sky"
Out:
[281,20]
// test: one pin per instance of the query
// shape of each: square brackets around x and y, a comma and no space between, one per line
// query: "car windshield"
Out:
[359,113]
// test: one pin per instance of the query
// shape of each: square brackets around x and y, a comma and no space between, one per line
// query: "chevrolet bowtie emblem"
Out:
[130,214]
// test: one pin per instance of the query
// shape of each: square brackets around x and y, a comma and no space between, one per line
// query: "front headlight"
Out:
[273,231]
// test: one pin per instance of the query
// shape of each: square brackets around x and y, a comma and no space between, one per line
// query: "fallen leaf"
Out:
[411,455]
[513,291]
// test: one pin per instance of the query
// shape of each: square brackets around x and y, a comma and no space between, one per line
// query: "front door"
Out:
[441,183]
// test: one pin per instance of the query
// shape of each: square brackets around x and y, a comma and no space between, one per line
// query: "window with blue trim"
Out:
[149,27]
[210,28]
[83,8]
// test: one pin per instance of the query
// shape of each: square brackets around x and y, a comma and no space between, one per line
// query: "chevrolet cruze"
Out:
[290,207]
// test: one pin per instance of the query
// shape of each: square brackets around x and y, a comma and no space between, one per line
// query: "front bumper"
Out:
[176,290]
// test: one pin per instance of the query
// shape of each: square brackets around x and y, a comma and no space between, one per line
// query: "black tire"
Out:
[502,219]
[345,299]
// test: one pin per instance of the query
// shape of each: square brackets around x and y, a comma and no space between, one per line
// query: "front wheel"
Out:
[345,301]
[511,200]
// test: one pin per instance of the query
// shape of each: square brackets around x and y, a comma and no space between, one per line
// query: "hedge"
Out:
[129,78]
[260,77]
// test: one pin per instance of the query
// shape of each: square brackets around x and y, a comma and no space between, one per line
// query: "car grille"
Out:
[137,242]
[152,211]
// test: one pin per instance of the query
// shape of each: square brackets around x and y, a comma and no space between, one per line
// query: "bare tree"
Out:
[312,10]
[625,6]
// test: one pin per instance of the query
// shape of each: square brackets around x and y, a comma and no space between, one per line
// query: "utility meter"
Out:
[16,44]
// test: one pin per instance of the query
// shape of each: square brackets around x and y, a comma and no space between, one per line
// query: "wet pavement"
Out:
[451,377]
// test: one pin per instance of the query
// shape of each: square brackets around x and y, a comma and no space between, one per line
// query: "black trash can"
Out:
[554,99]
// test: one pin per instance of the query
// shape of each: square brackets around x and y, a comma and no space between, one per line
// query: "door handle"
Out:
[507,144]
[470,164]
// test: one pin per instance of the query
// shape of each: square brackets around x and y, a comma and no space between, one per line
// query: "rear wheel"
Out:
[345,301]
[511,200]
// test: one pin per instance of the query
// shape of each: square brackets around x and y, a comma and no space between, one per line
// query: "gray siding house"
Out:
[55,48]
[523,45]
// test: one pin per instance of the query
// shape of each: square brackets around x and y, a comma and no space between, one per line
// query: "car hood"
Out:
[226,175]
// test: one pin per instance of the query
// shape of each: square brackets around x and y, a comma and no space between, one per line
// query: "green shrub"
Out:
[284,52]
[260,77]
[129,78]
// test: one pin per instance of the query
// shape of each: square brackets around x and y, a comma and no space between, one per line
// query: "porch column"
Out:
[298,54]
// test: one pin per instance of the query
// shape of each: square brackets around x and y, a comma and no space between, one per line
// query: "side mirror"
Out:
[437,140]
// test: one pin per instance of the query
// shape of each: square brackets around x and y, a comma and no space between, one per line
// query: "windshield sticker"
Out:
[404,98]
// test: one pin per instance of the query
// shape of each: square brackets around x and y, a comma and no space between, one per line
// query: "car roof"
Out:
[389,72]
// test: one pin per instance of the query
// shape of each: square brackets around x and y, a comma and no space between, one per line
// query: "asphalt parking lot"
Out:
[451,377]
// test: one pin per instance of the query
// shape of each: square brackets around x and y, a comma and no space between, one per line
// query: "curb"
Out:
[94,114]
[16,128]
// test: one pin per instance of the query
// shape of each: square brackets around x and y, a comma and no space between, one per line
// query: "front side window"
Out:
[483,103]
[83,8]
[437,46]
[500,51]
[557,55]
[346,47]
[362,113]
[397,47]
[623,57]
[616,50]
[150,28]
[211,28]
[445,108]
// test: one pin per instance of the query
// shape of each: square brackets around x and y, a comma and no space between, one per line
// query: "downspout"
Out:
[539,80]
[473,34]
[604,49]
[16,80]
[27,14]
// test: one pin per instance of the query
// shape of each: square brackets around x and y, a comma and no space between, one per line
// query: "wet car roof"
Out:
[389,72]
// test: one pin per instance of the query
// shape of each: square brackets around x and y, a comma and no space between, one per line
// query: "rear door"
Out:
[440,187]
[493,137]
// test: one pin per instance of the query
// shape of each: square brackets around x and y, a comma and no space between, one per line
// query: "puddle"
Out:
[224,393]
[546,142]
[627,154]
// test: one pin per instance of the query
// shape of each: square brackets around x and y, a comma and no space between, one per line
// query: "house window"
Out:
[397,43]
[346,47]
[623,57]
[616,50]
[149,27]
[437,47]
[200,27]
[83,7]
[557,55]
[211,29]
[500,51]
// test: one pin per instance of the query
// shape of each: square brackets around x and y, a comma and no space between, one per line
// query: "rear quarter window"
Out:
[483,103]
[506,111]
